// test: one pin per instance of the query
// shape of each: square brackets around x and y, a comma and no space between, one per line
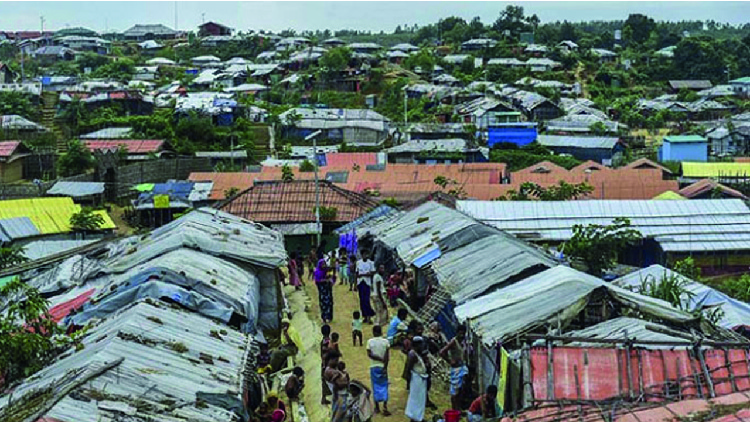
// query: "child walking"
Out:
[356,328]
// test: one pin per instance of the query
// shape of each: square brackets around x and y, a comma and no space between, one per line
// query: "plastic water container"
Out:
[452,415]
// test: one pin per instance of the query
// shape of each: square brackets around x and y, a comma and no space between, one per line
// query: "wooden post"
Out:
[619,371]
[628,365]
[664,374]
[696,377]
[706,372]
[728,363]
[528,388]
[679,379]
[640,372]
[550,372]
[578,391]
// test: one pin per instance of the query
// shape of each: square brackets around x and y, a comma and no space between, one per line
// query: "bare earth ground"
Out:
[357,362]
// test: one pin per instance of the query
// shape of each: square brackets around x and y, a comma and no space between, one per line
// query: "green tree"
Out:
[193,130]
[422,59]
[568,32]
[286,173]
[335,60]
[77,160]
[688,268]
[27,332]
[698,58]
[563,191]
[11,256]
[513,19]
[737,287]
[86,220]
[12,102]
[454,188]
[228,193]
[598,246]
[640,27]
[306,166]
[121,70]
[598,128]
[92,61]
[74,116]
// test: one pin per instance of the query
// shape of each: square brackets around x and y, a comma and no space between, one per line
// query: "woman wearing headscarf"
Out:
[293,271]
[325,290]
[419,367]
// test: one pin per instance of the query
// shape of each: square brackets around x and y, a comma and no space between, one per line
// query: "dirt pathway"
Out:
[357,363]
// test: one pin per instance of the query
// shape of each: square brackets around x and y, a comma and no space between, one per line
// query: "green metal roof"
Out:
[684,139]
[745,80]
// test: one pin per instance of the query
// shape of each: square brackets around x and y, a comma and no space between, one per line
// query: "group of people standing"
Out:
[376,291]
[359,274]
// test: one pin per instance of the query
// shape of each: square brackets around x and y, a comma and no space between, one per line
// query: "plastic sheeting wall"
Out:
[599,374]
[268,317]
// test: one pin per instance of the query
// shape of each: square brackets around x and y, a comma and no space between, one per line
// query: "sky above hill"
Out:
[373,16]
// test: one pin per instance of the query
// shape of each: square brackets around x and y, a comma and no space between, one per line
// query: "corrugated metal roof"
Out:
[578,141]
[50,215]
[558,292]
[486,263]
[372,216]
[154,370]
[696,225]
[691,84]
[201,191]
[430,145]
[16,122]
[8,148]
[43,248]
[670,196]
[684,139]
[416,232]
[618,328]
[222,182]
[133,146]
[17,228]
[735,313]
[181,271]
[714,170]
[109,133]
[76,189]
[349,159]
[213,232]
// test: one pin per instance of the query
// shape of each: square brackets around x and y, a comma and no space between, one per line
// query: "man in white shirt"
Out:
[377,351]
[379,303]
[365,271]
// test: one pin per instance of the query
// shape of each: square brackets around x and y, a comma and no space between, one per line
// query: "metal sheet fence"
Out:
[646,375]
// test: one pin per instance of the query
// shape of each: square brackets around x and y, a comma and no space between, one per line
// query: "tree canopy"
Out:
[598,247]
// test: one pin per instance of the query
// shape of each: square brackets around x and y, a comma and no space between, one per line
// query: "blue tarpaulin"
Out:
[427,258]
[518,135]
